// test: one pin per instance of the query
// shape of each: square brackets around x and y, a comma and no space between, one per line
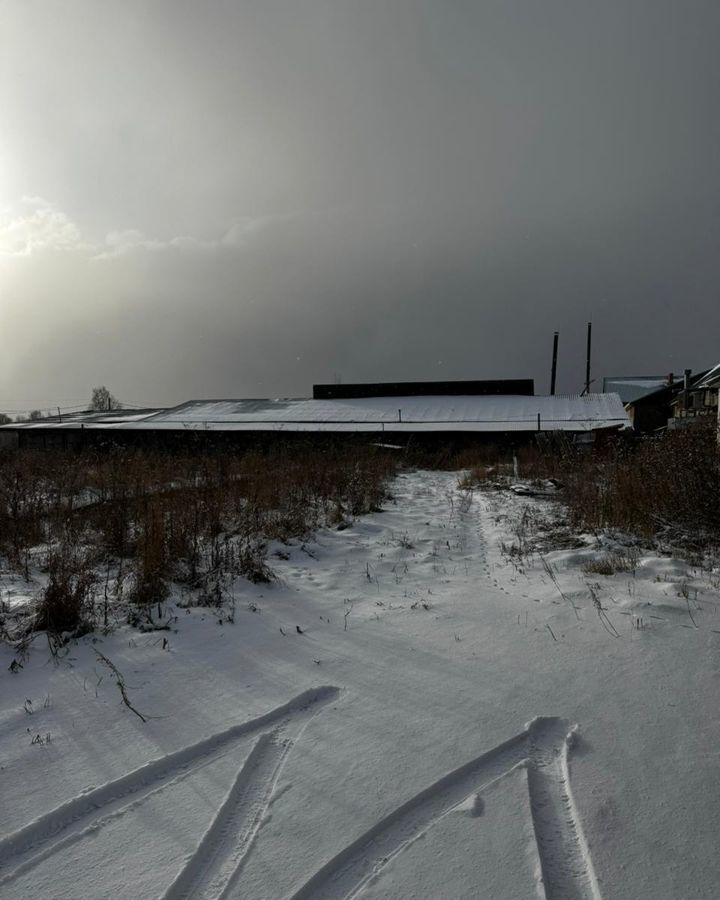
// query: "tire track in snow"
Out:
[565,860]
[567,868]
[213,868]
[25,848]
[345,875]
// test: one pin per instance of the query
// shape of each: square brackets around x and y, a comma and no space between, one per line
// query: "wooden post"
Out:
[554,363]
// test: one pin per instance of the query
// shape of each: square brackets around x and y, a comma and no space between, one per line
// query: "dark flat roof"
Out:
[524,387]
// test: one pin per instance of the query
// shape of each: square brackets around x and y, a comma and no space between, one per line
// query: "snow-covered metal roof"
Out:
[85,418]
[397,414]
[371,414]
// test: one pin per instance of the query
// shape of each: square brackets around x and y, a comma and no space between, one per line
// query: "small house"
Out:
[696,399]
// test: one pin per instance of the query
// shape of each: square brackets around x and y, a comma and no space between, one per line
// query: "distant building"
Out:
[633,387]
[655,403]
[515,386]
[696,398]
[412,416]
[651,412]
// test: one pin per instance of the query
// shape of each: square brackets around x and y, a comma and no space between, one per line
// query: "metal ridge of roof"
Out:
[710,379]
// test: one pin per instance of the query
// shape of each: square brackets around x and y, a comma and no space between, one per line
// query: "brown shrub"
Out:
[67,603]
[668,485]
[200,517]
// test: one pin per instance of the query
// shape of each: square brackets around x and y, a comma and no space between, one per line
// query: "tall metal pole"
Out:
[554,364]
[587,366]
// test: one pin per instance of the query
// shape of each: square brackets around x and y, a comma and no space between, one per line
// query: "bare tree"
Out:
[5,419]
[103,400]
[36,414]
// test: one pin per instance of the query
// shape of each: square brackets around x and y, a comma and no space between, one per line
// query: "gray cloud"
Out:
[244,198]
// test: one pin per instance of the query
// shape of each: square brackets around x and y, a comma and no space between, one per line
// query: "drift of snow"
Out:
[451,720]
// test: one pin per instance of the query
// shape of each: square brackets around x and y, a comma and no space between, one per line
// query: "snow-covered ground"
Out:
[415,709]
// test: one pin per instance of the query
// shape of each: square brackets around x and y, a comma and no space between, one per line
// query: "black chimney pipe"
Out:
[554,364]
[587,365]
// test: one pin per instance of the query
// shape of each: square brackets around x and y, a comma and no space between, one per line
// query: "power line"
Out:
[53,401]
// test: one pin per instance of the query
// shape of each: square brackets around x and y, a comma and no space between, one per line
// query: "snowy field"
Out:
[422,706]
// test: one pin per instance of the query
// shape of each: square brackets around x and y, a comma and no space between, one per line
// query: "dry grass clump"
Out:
[612,562]
[661,487]
[493,464]
[24,504]
[201,519]
[67,603]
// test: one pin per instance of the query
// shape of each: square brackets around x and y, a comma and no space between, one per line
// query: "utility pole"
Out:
[554,364]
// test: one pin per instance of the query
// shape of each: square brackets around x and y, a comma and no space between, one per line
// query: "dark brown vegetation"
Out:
[126,524]
[664,488]
[129,523]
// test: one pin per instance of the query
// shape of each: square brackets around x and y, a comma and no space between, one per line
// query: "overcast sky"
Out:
[228,199]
